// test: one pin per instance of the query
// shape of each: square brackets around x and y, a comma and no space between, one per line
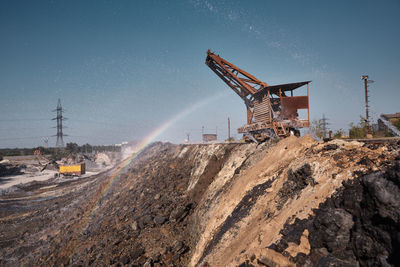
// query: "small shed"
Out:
[209,137]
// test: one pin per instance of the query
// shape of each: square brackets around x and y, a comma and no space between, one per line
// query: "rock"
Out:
[146,220]
[156,257]
[148,263]
[330,261]
[179,246]
[137,251]
[164,250]
[365,161]
[156,197]
[330,147]
[159,220]
[246,264]
[266,262]
[301,258]
[125,259]
[134,226]
[178,214]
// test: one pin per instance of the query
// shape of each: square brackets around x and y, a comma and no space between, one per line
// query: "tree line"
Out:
[356,130]
[69,148]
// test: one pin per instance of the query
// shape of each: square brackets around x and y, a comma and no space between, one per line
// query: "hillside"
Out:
[286,203]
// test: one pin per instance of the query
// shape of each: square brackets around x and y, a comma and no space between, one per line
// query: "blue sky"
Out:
[122,68]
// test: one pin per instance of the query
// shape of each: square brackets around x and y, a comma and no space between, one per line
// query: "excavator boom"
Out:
[243,83]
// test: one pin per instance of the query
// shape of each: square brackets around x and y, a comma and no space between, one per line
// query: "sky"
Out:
[123,68]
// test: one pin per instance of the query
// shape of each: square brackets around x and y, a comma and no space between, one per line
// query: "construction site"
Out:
[273,199]
[267,151]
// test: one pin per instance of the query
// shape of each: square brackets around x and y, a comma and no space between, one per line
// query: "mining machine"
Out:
[271,111]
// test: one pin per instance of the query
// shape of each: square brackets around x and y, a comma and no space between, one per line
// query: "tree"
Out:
[397,124]
[358,130]
[86,148]
[72,147]
[338,134]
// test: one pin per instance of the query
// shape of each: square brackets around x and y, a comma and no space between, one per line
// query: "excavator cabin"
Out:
[272,110]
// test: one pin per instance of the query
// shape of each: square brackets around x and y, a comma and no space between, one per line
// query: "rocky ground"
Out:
[17,170]
[292,202]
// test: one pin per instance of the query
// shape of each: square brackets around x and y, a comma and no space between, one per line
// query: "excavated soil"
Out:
[292,202]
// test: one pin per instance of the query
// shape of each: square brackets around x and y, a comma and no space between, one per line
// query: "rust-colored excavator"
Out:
[270,111]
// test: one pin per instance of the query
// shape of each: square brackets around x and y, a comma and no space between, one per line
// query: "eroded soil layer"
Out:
[292,202]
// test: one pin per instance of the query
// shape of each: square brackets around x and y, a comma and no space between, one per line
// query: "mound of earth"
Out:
[292,202]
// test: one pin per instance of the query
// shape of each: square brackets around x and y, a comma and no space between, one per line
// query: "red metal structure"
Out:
[270,112]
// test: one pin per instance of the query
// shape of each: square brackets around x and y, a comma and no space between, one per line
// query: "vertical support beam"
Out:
[366,81]
[229,129]
[366,106]
[308,101]
[249,115]
[280,103]
[270,107]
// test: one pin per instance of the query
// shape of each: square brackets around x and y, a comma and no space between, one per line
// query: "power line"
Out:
[12,120]
[20,138]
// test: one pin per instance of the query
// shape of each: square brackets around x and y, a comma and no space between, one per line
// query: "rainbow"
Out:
[126,162]
[151,137]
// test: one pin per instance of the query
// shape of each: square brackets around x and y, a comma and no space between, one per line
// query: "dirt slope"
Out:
[292,202]
[288,185]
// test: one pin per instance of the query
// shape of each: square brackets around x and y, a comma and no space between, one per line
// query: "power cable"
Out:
[18,138]
[12,120]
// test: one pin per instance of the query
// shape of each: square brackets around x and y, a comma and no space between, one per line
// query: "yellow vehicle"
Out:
[75,169]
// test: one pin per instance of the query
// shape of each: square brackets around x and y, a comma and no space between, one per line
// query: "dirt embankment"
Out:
[295,202]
